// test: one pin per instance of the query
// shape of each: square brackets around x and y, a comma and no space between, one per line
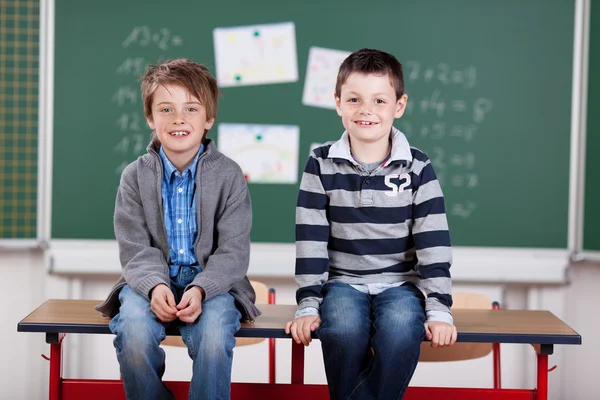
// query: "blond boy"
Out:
[182,221]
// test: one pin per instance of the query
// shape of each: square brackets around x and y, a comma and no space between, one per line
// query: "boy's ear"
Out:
[209,124]
[401,105]
[337,104]
[150,122]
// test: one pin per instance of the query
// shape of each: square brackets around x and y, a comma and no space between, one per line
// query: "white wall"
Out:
[26,285]
[582,303]
[23,372]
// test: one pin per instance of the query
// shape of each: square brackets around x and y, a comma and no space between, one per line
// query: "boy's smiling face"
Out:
[368,107]
[179,119]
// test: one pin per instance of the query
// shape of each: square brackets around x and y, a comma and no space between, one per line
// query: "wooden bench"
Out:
[542,329]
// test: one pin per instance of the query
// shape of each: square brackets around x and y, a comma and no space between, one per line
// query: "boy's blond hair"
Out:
[196,78]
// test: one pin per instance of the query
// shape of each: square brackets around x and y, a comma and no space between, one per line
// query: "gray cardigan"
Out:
[223,243]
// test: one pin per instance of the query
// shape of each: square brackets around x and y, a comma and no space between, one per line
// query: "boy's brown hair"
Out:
[195,77]
[371,61]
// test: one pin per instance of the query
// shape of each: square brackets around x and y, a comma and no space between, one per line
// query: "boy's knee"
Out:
[135,344]
[136,331]
[219,338]
[401,332]
[138,335]
[211,343]
[343,333]
[214,332]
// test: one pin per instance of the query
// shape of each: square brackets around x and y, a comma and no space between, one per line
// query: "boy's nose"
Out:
[365,110]
[178,118]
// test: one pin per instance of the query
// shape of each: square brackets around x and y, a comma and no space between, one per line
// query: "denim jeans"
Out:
[210,341]
[371,344]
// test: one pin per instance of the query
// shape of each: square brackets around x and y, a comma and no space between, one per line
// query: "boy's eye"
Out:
[192,109]
[165,110]
[379,101]
[353,100]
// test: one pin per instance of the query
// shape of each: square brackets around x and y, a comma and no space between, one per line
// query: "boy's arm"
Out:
[229,262]
[312,236]
[432,244]
[143,265]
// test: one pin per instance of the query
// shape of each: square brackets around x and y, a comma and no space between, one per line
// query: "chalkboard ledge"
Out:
[23,244]
[471,264]
[587,255]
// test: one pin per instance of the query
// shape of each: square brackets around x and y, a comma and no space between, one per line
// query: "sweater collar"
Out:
[207,160]
[400,148]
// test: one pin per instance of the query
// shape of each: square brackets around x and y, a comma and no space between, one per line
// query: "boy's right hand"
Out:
[302,327]
[162,303]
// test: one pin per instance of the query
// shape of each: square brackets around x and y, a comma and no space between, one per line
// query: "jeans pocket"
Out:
[187,273]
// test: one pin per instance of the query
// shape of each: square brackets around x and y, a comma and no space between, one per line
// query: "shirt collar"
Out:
[169,169]
[400,148]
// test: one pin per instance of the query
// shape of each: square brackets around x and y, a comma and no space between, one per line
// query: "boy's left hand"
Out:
[440,333]
[190,306]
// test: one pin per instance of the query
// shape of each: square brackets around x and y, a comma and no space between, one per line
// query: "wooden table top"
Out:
[485,326]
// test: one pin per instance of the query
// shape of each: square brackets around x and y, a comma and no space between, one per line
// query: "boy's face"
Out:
[179,120]
[368,107]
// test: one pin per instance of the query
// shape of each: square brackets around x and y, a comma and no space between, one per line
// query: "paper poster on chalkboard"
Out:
[321,73]
[256,54]
[266,153]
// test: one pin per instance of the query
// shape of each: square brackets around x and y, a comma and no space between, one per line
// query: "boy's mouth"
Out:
[179,133]
[366,123]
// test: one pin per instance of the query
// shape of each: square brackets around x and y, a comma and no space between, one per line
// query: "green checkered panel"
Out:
[19,70]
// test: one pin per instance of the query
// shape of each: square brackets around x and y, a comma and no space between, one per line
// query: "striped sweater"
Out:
[383,227]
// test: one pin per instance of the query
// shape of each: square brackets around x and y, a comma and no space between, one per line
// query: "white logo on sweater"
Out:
[404,181]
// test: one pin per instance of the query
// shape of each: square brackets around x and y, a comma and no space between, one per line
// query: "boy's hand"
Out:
[162,303]
[301,328]
[440,333]
[190,306]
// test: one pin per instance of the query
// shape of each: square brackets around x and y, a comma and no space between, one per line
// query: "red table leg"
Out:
[272,348]
[497,368]
[55,369]
[297,363]
[542,376]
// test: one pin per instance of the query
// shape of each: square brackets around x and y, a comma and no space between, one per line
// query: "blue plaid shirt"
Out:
[180,208]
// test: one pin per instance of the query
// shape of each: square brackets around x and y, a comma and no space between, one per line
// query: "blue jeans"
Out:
[210,341]
[371,344]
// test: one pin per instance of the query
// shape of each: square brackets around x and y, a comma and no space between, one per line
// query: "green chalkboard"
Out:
[591,219]
[19,75]
[489,85]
